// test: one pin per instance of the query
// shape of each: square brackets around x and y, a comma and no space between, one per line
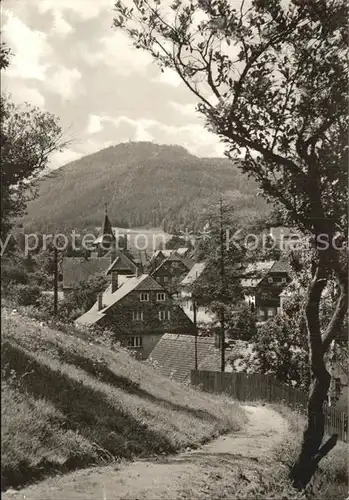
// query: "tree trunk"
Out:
[222,341]
[312,450]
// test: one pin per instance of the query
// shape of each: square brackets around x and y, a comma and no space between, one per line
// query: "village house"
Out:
[262,285]
[171,271]
[105,256]
[160,255]
[138,310]
[186,300]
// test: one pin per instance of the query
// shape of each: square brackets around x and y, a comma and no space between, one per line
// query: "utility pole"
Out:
[196,335]
[55,282]
[222,276]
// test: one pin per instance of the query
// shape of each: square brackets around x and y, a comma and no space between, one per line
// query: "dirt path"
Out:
[216,470]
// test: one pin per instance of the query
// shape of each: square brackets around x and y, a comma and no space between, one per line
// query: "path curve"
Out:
[184,476]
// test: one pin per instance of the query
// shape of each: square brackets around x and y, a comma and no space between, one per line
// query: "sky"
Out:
[70,61]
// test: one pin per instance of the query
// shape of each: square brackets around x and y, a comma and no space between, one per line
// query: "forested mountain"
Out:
[144,184]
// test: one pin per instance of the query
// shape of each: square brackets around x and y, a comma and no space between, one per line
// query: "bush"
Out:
[241,323]
[25,295]
[76,303]
[281,349]
[12,271]
[67,310]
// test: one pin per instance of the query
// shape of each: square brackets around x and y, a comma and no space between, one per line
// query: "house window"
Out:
[134,342]
[166,279]
[271,312]
[164,315]
[160,297]
[270,279]
[283,280]
[144,297]
[261,313]
[137,315]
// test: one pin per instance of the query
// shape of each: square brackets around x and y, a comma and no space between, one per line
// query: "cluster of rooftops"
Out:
[132,275]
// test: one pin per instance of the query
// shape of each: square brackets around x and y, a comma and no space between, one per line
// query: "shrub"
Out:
[241,324]
[26,295]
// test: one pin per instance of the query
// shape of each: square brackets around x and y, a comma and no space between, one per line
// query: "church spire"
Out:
[106,239]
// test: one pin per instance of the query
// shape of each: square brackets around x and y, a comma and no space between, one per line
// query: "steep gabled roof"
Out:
[165,253]
[280,267]
[122,261]
[177,258]
[194,273]
[119,265]
[109,299]
[255,272]
[182,251]
[174,258]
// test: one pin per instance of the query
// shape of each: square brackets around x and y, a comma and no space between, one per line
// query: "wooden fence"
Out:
[259,387]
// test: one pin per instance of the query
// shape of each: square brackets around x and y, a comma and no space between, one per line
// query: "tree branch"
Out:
[337,318]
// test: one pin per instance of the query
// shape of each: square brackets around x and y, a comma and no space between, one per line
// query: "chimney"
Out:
[114,281]
[138,272]
[100,301]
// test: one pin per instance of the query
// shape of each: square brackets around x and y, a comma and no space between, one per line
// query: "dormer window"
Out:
[144,297]
[160,297]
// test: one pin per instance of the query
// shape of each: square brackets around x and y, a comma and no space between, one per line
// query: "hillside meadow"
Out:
[70,402]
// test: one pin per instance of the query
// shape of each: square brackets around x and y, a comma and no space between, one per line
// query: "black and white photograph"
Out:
[174,249]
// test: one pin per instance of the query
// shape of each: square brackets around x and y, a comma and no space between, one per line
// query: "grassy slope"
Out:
[70,403]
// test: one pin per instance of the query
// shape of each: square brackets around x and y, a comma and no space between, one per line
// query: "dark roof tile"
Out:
[174,355]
